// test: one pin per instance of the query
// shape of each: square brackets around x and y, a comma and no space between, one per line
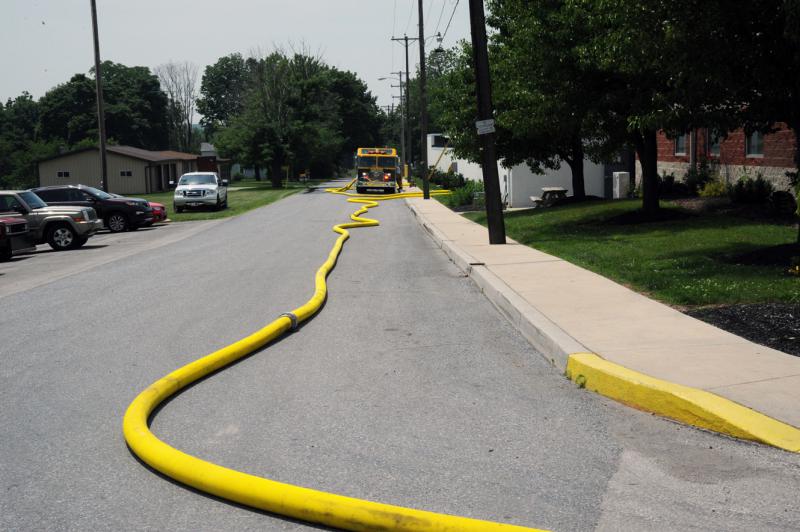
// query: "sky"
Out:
[44,42]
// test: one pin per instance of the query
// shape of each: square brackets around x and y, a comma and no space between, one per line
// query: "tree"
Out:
[135,109]
[300,113]
[222,92]
[20,146]
[179,82]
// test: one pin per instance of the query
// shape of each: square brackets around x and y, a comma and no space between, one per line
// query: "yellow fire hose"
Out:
[276,497]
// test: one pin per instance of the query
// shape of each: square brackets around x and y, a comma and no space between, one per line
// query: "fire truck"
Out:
[377,170]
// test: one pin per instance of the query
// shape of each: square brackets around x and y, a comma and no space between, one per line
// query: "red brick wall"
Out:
[666,150]
[778,149]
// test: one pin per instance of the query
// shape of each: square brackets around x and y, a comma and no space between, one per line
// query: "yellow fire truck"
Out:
[377,170]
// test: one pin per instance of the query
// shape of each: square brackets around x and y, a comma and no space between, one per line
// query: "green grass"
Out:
[685,261]
[253,194]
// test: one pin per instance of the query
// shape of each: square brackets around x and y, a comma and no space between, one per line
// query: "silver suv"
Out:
[61,227]
[200,189]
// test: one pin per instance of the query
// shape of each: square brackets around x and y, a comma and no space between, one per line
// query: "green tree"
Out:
[20,146]
[135,109]
[222,92]
[300,113]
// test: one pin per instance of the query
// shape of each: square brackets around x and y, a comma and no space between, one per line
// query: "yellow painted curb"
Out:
[682,403]
[297,502]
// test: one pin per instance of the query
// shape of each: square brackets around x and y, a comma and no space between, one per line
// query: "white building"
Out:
[519,183]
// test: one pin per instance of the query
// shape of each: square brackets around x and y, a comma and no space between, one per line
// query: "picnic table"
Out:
[549,196]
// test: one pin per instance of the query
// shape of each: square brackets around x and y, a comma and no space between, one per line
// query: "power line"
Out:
[428,12]
[410,14]
[444,4]
[451,20]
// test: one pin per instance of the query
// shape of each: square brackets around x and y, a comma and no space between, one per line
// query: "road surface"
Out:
[408,388]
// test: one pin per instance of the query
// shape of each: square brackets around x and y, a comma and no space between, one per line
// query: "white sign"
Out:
[485,126]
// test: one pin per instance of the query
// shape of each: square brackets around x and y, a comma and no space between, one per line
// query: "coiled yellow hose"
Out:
[285,499]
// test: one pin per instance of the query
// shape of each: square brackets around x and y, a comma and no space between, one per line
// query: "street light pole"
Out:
[423,106]
[485,124]
[101,117]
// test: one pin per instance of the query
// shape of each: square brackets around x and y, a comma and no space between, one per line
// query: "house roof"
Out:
[136,153]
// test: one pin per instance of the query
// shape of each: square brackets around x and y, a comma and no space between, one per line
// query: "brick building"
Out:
[771,155]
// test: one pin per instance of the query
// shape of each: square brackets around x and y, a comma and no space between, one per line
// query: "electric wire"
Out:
[449,21]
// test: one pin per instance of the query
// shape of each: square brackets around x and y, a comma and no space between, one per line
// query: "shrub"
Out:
[783,203]
[751,191]
[448,180]
[696,178]
[464,195]
[714,188]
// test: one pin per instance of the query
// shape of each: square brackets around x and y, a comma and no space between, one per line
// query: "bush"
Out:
[696,178]
[783,203]
[447,180]
[751,191]
[464,195]
[714,188]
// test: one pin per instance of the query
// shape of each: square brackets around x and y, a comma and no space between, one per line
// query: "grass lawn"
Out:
[686,261]
[253,194]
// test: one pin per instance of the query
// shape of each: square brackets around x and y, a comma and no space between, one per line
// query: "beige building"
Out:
[130,170]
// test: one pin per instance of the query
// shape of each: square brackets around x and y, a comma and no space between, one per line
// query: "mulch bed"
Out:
[775,325]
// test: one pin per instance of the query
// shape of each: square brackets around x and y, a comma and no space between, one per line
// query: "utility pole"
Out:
[101,117]
[405,40]
[485,124]
[403,117]
[423,105]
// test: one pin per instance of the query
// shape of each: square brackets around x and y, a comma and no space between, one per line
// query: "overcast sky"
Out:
[44,42]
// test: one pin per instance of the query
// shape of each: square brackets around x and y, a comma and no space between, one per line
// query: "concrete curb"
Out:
[552,341]
[681,403]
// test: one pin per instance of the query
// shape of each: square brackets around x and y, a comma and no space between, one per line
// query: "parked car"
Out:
[119,213]
[63,227]
[200,189]
[159,211]
[14,236]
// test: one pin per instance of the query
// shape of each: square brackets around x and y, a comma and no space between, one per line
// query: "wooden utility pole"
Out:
[423,105]
[409,158]
[101,117]
[485,124]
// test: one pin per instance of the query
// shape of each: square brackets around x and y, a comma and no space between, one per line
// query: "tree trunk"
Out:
[646,148]
[275,174]
[578,185]
[796,128]
[258,172]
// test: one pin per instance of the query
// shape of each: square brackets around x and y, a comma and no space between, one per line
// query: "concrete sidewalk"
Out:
[563,309]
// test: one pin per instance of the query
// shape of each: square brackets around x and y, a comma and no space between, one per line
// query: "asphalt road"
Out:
[408,388]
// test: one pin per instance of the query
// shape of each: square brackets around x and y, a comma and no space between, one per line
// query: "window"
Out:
[713,142]
[754,144]
[54,194]
[125,173]
[681,141]
[440,141]
[63,173]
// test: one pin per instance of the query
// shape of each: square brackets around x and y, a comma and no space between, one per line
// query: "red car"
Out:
[14,236]
[159,212]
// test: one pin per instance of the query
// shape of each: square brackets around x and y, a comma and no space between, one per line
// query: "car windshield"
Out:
[97,193]
[198,179]
[33,201]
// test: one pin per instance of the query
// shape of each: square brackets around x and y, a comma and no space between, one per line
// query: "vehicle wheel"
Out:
[5,254]
[218,206]
[360,190]
[117,222]
[225,203]
[177,209]
[61,237]
[79,241]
